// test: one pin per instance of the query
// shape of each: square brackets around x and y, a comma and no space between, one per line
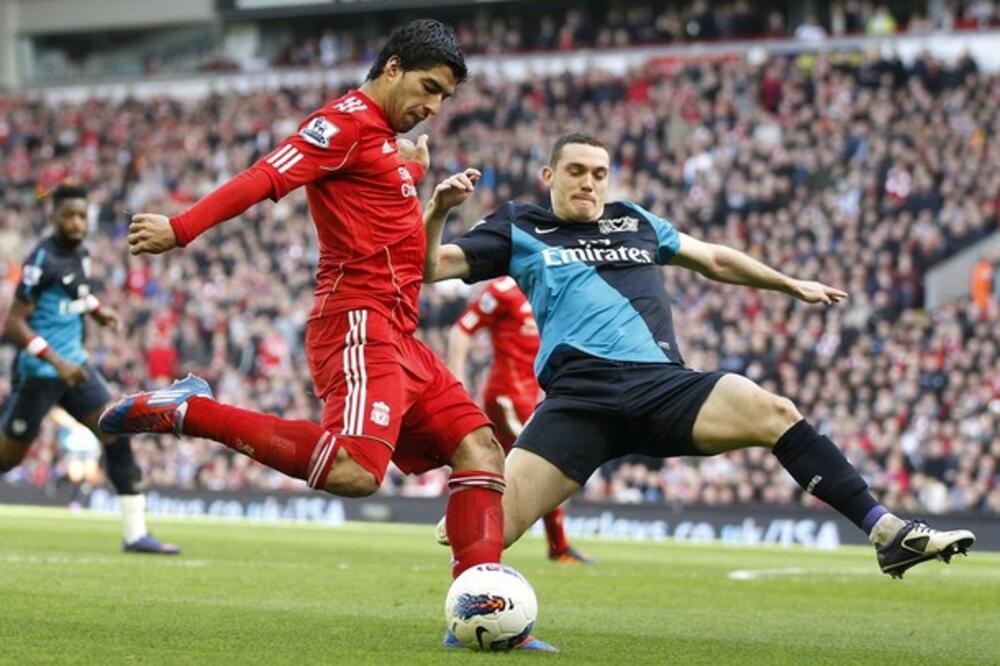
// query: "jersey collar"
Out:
[376,110]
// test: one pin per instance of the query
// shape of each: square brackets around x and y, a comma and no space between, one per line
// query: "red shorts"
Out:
[498,403]
[387,393]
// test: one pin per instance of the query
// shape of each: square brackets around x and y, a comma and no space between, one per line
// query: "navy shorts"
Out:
[597,410]
[33,397]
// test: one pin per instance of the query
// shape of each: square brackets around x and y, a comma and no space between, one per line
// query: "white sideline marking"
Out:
[754,574]
[165,561]
[117,561]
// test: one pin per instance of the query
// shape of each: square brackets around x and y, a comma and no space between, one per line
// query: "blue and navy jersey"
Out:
[54,279]
[594,286]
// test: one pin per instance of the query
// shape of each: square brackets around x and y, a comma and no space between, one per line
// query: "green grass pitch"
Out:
[373,594]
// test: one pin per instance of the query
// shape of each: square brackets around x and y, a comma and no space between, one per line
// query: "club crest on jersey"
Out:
[319,131]
[380,414]
[618,224]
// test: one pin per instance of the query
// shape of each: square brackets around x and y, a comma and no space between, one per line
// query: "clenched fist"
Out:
[149,233]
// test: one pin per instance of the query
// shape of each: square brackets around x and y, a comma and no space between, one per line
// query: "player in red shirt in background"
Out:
[511,391]
[385,395]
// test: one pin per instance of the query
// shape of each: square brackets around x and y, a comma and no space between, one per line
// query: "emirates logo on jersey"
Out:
[596,252]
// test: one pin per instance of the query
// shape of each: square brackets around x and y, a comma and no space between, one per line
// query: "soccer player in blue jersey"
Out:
[46,323]
[614,378]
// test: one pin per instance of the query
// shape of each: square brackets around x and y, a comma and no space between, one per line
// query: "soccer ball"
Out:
[490,607]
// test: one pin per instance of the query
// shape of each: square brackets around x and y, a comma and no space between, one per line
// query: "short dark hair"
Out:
[585,138]
[67,190]
[422,44]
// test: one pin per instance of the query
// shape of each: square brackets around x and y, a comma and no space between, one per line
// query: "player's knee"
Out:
[783,415]
[348,478]
[479,450]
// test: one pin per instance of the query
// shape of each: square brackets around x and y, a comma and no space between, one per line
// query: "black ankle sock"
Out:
[820,468]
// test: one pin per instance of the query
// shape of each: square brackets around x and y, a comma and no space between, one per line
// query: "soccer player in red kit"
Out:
[386,396]
[511,391]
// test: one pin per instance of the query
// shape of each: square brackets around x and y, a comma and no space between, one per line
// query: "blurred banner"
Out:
[737,525]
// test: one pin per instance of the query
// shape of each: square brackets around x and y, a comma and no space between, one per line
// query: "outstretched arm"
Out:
[324,146]
[448,261]
[724,264]
[149,233]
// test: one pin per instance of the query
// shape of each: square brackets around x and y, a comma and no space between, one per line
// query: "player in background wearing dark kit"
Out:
[511,391]
[46,323]
[385,395]
[609,363]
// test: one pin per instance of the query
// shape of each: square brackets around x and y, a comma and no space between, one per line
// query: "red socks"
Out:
[286,446]
[474,518]
[555,532]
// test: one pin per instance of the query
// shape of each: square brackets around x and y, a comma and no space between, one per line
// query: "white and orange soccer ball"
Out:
[490,607]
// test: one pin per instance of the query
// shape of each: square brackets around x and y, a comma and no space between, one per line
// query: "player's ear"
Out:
[393,68]
[548,175]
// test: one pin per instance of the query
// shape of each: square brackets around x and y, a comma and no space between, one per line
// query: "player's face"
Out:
[578,183]
[70,220]
[417,94]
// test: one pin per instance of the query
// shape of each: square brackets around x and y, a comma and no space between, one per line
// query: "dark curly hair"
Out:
[67,190]
[422,44]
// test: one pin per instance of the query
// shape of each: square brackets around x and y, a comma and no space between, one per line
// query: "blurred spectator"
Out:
[982,283]
[810,30]
[881,22]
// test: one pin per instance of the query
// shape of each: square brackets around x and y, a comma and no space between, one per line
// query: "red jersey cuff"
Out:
[180,224]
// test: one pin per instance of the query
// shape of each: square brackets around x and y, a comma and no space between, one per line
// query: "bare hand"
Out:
[455,189]
[149,233]
[107,317]
[71,374]
[817,292]
[417,152]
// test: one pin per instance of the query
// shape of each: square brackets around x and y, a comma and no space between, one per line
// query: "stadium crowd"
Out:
[495,28]
[860,173]
[602,24]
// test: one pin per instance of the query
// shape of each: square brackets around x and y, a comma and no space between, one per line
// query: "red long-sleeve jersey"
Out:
[362,198]
[503,309]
